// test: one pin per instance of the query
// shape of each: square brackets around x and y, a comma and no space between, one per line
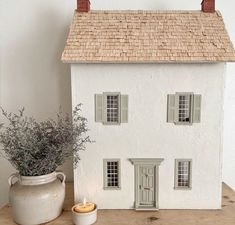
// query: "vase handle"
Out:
[62,175]
[14,175]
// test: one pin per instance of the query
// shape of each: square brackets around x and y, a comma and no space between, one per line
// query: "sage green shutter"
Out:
[105,96]
[99,108]
[171,108]
[124,108]
[176,115]
[197,108]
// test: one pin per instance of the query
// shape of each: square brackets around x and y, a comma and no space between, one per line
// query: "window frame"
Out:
[177,96]
[105,177]
[176,185]
[105,95]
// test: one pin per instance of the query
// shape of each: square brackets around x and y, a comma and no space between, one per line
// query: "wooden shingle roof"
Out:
[148,36]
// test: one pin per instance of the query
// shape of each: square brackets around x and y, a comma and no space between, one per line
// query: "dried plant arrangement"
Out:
[38,148]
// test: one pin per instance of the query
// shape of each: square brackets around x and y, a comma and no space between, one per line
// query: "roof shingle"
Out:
[148,36]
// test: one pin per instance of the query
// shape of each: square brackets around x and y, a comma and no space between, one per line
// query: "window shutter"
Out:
[99,108]
[171,108]
[105,96]
[197,108]
[124,108]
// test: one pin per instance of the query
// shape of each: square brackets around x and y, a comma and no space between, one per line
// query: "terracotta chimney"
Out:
[83,5]
[208,6]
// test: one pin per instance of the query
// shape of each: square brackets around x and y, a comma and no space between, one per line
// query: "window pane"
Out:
[112,174]
[183,177]
[184,108]
[112,108]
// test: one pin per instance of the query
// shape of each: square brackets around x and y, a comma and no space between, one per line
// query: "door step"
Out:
[146,209]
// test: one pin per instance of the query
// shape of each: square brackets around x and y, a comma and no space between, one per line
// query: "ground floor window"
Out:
[183,173]
[112,174]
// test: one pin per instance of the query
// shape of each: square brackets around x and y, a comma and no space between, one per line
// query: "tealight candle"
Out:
[84,207]
[84,213]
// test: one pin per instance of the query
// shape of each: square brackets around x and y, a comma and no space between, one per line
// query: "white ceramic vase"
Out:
[36,199]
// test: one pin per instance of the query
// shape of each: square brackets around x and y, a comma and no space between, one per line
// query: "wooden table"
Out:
[225,216]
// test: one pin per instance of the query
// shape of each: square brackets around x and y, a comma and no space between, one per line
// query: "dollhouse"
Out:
[152,88]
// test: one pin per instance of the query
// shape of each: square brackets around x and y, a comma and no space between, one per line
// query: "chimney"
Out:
[208,6]
[83,5]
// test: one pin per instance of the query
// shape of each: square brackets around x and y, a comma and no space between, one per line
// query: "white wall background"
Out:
[32,37]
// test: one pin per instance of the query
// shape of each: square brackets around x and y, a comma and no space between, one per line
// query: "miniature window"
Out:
[183,175]
[111,174]
[111,108]
[184,108]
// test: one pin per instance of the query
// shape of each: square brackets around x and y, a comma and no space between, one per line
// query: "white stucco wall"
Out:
[147,135]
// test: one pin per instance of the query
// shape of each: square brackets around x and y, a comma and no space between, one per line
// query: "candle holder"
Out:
[84,218]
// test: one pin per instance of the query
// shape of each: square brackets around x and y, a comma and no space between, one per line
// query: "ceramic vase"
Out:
[36,199]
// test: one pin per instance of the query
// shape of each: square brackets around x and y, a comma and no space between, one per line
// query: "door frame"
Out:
[137,162]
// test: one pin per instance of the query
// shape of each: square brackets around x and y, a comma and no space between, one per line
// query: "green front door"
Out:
[146,187]
[146,183]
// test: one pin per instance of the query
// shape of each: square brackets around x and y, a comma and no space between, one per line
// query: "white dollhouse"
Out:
[152,88]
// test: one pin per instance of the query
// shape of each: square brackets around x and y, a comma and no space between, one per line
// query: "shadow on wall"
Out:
[32,74]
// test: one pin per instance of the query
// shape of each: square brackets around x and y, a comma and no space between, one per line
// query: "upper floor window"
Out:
[184,108]
[111,108]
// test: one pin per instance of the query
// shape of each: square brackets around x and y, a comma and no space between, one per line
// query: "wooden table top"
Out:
[225,216]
